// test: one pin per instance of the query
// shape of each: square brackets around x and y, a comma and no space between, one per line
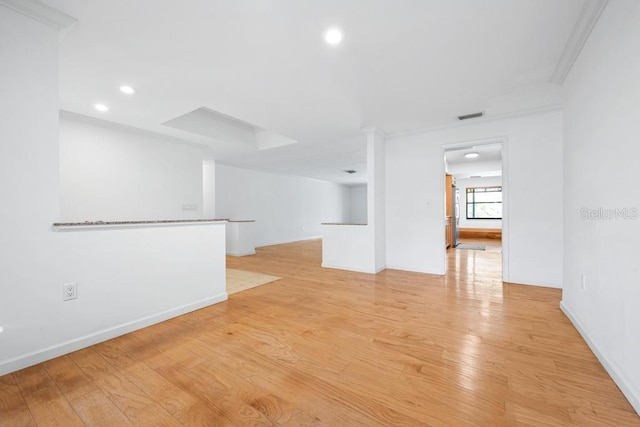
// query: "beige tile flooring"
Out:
[241,280]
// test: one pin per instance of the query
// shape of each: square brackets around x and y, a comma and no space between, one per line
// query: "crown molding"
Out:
[588,18]
[375,130]
[40,12]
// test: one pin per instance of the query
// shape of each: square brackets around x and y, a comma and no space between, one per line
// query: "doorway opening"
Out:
[475,209]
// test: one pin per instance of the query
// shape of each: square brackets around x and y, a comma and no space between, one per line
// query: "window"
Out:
[484,203]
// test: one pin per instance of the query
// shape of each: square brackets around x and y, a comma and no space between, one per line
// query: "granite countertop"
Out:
[241,220]
[340,223]
[133,223]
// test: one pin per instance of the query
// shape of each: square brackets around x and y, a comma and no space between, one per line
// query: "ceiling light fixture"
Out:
[127,90]
[471,155]
[101,107]
[333,36]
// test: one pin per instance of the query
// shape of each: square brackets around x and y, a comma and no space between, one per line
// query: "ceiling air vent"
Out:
[350,171]
[471,116]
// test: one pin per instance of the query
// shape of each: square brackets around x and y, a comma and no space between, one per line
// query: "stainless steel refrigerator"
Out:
[455,221]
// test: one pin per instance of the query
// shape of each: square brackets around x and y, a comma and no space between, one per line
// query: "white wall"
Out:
[111,172]
[415,200]
[358,204]
[348,247]
[362,247]
[28,180]
[126,278]
[415,204]
[285,208]
[463,184]
[601,154]
[376,192]
[209,189]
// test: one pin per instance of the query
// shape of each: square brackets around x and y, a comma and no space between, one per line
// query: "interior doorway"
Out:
[475,208]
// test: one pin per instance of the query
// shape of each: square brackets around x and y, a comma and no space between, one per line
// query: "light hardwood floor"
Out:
[241,280]
[327,347]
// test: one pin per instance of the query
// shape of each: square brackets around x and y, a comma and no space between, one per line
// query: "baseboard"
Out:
[348,268]
[70,346]
[612,370]
[413,270]
[284,242]
[241,253]
[527,283]
[380,268]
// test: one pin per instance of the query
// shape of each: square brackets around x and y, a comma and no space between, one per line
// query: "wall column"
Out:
[376,194]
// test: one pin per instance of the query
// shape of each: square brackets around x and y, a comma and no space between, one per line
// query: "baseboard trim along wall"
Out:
[241,253]
[284,242]
[357,270]
[414,269]
[67,347]
[520,281]
[612,370]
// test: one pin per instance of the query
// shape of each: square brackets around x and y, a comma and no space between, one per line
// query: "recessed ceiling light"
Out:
[471,155]
[101,107]
[333,36]
[127,89]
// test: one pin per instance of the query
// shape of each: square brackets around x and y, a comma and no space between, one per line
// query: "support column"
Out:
[376,194]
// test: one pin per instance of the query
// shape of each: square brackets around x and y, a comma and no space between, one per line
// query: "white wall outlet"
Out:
[189,207]
[583,282]
[69,291]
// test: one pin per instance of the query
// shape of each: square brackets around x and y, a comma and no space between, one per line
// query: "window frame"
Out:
[474,203]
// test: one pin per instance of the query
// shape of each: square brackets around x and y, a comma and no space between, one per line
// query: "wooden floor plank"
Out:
[47,403]
[95,409]
[13,408]
[324,347]
[69,377]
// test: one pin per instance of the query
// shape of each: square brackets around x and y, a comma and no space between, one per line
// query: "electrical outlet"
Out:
[583,282]
[69,291]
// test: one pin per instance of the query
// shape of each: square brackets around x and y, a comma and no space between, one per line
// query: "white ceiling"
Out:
[403,65]
[488,162]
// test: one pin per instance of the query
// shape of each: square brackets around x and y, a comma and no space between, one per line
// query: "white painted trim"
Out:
[348,268]
[241,253]
[413,270]
[375,130]
[612,369]
[40,12]
[504,241]
[284,242]
[539,284]
[588,18]
[39,356]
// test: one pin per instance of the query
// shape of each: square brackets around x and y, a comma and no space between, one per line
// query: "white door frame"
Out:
[503,141]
